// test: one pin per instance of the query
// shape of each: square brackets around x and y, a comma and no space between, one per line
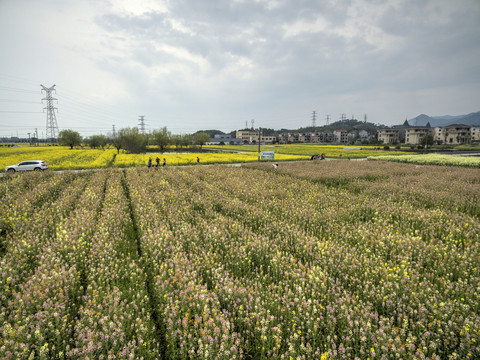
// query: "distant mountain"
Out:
[472,119]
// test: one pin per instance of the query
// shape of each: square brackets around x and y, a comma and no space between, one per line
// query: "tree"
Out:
[185,140]
[427,140]
[69,138]
[201,138]
[97,141]
[161,138]
[176,140]
[131,140]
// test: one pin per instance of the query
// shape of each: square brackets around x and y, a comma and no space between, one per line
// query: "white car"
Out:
[29,165]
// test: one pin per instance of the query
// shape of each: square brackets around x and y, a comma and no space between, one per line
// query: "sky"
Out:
[194,65]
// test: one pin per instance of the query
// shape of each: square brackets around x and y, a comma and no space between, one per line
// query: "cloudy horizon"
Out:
[194,65]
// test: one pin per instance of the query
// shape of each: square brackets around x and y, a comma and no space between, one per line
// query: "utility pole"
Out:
[29,141]
[52,126]
[259,138]
[141,124]
[246,124]
[113,132]
[314,118]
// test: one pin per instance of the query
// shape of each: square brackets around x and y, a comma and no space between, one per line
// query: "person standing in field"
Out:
[158,161]
[149,163]
[164,161]
[198,160]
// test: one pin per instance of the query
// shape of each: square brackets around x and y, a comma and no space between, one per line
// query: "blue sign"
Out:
[268,155]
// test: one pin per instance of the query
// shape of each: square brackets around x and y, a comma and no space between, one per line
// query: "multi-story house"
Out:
[475,133]
[389,136]
[452,134]
[252,137]
[415,134]
[340,136]
[457,134]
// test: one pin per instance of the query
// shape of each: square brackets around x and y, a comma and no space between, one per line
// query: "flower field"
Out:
[331,151]
[129,160]
[316,260]
[62,158]
[433,159]
[58,157]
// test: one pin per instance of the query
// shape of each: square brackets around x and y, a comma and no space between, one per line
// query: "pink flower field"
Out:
[315,260]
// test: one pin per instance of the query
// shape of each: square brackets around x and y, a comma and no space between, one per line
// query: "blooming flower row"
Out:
[44,268]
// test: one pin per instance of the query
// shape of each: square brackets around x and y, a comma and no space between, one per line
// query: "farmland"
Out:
[64,158]
[331,150]
[433,159]
[324,260]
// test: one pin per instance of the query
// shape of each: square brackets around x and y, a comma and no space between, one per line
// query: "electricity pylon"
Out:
[52,126]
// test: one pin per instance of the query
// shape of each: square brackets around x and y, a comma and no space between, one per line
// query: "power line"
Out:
[19,101]
[21,112]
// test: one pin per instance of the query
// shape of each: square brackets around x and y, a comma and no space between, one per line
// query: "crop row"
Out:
[73,286]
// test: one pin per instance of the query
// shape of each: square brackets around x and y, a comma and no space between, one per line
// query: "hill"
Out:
[472,119]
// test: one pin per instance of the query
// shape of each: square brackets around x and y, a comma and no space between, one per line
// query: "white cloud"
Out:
[300,27]
[138,7]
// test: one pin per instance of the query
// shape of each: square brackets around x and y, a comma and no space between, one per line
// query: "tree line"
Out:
[132,140]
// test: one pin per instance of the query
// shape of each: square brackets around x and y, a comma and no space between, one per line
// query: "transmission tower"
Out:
[328,119]
[365,118]
[141,123]
[52,126]
[314,118]
[253,122]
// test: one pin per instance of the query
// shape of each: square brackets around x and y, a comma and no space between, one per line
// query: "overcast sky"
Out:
[218,64]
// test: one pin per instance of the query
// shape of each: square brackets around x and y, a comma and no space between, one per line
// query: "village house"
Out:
[340,136]
[252,137]
[312,137]
[225,139]
[457,134]
[415,134]
[475,133]
[389,136]
[452,134]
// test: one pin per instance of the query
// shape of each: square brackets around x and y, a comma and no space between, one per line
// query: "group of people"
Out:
[157,160]
[317,156]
